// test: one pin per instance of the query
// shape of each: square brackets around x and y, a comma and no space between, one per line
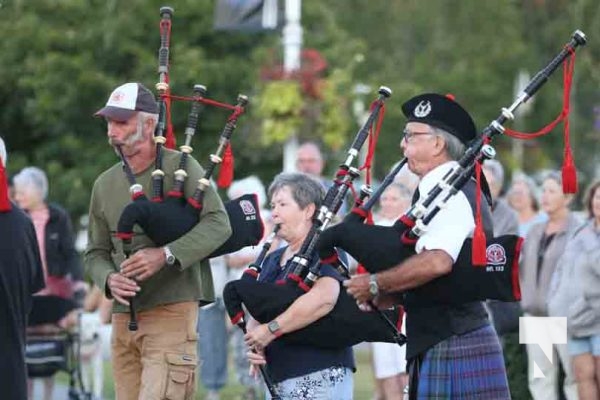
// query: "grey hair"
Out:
[531,185]
[556,176]
[454,147]
[250,184]
[404,190]
[496,168]
[35,177]
[305,189]
[2,152]
[143,116]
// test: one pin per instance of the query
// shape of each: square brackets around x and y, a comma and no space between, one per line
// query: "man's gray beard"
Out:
[137,137]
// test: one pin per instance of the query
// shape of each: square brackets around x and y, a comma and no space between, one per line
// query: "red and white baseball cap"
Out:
[126,100]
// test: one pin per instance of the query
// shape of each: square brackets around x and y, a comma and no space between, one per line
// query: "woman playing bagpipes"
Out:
[299,371]
[159,359]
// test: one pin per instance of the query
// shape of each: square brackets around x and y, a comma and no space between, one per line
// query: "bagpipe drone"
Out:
[166,218]
[482,270]
[346,324]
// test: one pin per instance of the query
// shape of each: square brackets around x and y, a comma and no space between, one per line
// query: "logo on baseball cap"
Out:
[126,100]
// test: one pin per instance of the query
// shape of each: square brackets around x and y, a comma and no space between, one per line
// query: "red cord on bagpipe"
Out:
[569,172]
[227,166]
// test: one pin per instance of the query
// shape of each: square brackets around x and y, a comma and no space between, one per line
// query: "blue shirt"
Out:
[285,361]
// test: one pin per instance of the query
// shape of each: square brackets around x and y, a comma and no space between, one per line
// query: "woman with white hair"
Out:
[60,262]
[52,223]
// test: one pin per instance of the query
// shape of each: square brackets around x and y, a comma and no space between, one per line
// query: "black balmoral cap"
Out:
[442,112]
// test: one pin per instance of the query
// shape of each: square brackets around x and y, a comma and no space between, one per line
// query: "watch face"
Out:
[373,289]
[273,326]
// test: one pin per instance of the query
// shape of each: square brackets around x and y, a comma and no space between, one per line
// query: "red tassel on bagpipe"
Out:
[478,257]
[569,171]
[4,201]
[226,171]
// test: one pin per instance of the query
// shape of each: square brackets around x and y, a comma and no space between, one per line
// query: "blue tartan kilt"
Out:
[468,366]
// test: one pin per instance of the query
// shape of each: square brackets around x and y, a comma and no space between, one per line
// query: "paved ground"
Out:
[61,391]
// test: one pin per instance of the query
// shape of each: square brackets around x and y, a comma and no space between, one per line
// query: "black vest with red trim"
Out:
[427,325]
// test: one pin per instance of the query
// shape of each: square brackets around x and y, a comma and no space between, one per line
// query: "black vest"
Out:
[428,325]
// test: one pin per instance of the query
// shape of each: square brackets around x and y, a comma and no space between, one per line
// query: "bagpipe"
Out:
[165,219]
[346,324]
[487,266]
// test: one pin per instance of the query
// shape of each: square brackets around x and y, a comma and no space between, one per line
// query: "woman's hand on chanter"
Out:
[259,337]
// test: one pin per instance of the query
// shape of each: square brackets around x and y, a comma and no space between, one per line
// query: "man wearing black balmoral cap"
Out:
[452,350]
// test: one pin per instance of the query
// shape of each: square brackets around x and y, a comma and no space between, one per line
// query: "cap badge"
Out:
[117,97]
[422,109]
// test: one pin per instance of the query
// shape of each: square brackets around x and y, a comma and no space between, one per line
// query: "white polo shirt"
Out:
[452,224]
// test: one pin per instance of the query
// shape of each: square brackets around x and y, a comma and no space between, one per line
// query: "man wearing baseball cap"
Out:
[452,350]
[159,359]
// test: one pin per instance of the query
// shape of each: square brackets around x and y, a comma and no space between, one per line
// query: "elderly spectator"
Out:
[60,261]
[505,218]
[544,244]
[389,359]
[406,177]
[522,197]
[575,294]
[309,159]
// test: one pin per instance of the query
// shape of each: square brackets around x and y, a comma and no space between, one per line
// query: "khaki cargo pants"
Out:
[159,360]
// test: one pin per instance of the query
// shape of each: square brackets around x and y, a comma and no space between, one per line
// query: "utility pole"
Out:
[292,46]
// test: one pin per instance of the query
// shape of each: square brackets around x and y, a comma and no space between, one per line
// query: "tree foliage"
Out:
[61,58]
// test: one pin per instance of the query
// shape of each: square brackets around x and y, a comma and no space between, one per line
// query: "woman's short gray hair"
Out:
[35,177]
[305,189]
[454,147]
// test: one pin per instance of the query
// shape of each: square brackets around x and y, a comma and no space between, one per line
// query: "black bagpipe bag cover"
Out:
[344,326]
[379,248]
[165,222]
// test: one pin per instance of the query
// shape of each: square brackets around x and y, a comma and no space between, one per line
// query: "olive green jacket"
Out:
[190,279]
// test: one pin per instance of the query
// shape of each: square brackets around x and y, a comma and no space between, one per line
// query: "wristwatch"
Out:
[373,287]
[169,256]
[274,328]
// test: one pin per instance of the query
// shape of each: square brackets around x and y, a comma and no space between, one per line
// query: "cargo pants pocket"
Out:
[181,371]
